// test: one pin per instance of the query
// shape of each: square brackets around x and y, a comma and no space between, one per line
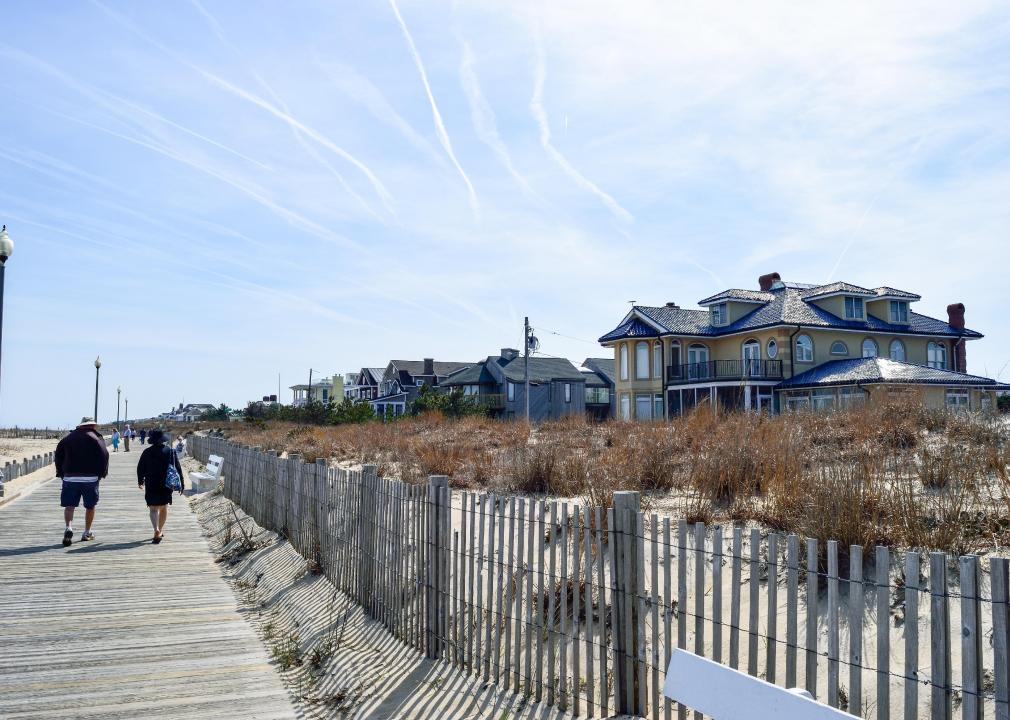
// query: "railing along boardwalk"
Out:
[582,606]
[118,628]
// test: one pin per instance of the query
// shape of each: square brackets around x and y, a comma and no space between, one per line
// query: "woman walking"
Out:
[115,439]
[155,477]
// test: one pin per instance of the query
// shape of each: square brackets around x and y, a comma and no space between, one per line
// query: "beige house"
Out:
[791,345]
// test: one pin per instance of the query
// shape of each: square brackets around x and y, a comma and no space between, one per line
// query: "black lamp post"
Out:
[118,391]
[98,366]
[6,250]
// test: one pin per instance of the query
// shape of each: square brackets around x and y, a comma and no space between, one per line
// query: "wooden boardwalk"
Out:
[118,628]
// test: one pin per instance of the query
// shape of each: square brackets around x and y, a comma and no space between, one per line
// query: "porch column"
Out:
[746,397]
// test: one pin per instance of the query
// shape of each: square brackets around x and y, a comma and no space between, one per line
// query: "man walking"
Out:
[127,434]
[82,460]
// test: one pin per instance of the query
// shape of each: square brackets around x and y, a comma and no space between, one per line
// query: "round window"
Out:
[773,348]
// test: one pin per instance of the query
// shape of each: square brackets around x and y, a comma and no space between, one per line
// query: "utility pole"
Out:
[308,393]
[526,365]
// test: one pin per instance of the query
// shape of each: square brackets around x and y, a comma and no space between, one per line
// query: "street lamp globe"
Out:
[98,362]
[6,245]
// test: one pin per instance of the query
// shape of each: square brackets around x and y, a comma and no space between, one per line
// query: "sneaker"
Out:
[88,535]
[68,537]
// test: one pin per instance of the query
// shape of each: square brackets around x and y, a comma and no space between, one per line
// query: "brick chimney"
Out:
[673,305]
[955,318]
[765,282]
[429,366]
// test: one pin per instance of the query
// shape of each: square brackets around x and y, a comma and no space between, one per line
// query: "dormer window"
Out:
[718,314]
[899,311]
[854,308]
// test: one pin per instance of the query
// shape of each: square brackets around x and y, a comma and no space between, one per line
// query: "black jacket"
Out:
[82,453]
[153,465]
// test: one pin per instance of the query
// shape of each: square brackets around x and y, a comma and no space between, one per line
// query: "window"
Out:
[419,383]
[625,406]
[697,359]
[657,360]
[804,349]
[773,349]
[718,313]
[511,390]
[848,396]
[854,308]
[643,407]
[936,355]
[642,361]
[798,402]
[823,399]
[657,406]
[752,358]
[839,348]
[624,362]
[568,392]
[957,399]
[869,348]
[597,396]
[897,350]
[899,311]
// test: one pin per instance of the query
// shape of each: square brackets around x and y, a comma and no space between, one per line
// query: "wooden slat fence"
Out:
[16,469]
[580,606]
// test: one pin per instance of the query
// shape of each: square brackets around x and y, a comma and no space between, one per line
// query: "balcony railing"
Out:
[724,370]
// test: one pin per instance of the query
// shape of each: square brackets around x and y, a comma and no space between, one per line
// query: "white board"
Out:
[723,693]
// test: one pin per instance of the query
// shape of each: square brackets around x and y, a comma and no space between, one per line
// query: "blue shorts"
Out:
[73,492]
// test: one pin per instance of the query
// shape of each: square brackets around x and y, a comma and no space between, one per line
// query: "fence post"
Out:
[435,586]
[365,534]
[971,640]
[939,620]
[626,507]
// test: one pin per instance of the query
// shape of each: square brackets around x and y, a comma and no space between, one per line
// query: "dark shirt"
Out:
[153,465]
[82,453]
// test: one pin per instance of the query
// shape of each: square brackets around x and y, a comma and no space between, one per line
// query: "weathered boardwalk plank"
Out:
[118,628]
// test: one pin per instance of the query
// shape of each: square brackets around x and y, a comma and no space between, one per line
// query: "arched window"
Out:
[897,350]
[624,362]
[869,348]
[839,348]
[773,349]
[936,355]
[804,349]
[642,360]
[657,360]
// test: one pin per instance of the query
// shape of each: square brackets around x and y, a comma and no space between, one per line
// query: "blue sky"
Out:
[210,193]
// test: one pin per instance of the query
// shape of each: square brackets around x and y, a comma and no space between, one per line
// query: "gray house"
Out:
[402,380]
[557,387]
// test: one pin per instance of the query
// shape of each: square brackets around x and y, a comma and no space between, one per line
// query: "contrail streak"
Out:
[537,108]
[443,136]
[483,118]
[380,189]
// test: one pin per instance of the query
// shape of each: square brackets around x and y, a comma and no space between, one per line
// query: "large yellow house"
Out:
[791,345]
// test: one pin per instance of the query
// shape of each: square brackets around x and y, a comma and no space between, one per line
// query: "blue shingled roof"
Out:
[881,370]
[788,306]
[632,327]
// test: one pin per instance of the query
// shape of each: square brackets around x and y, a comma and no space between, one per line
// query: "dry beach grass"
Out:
[892,473]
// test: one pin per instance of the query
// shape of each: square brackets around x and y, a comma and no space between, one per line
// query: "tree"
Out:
[221,412]
[451,404]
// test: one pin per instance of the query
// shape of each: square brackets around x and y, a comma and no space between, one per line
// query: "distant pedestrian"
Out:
[155,477]
[126,439]
[115,439]
[82,460]
[143,435]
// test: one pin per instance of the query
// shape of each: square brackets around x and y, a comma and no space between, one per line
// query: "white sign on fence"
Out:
[723,693]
